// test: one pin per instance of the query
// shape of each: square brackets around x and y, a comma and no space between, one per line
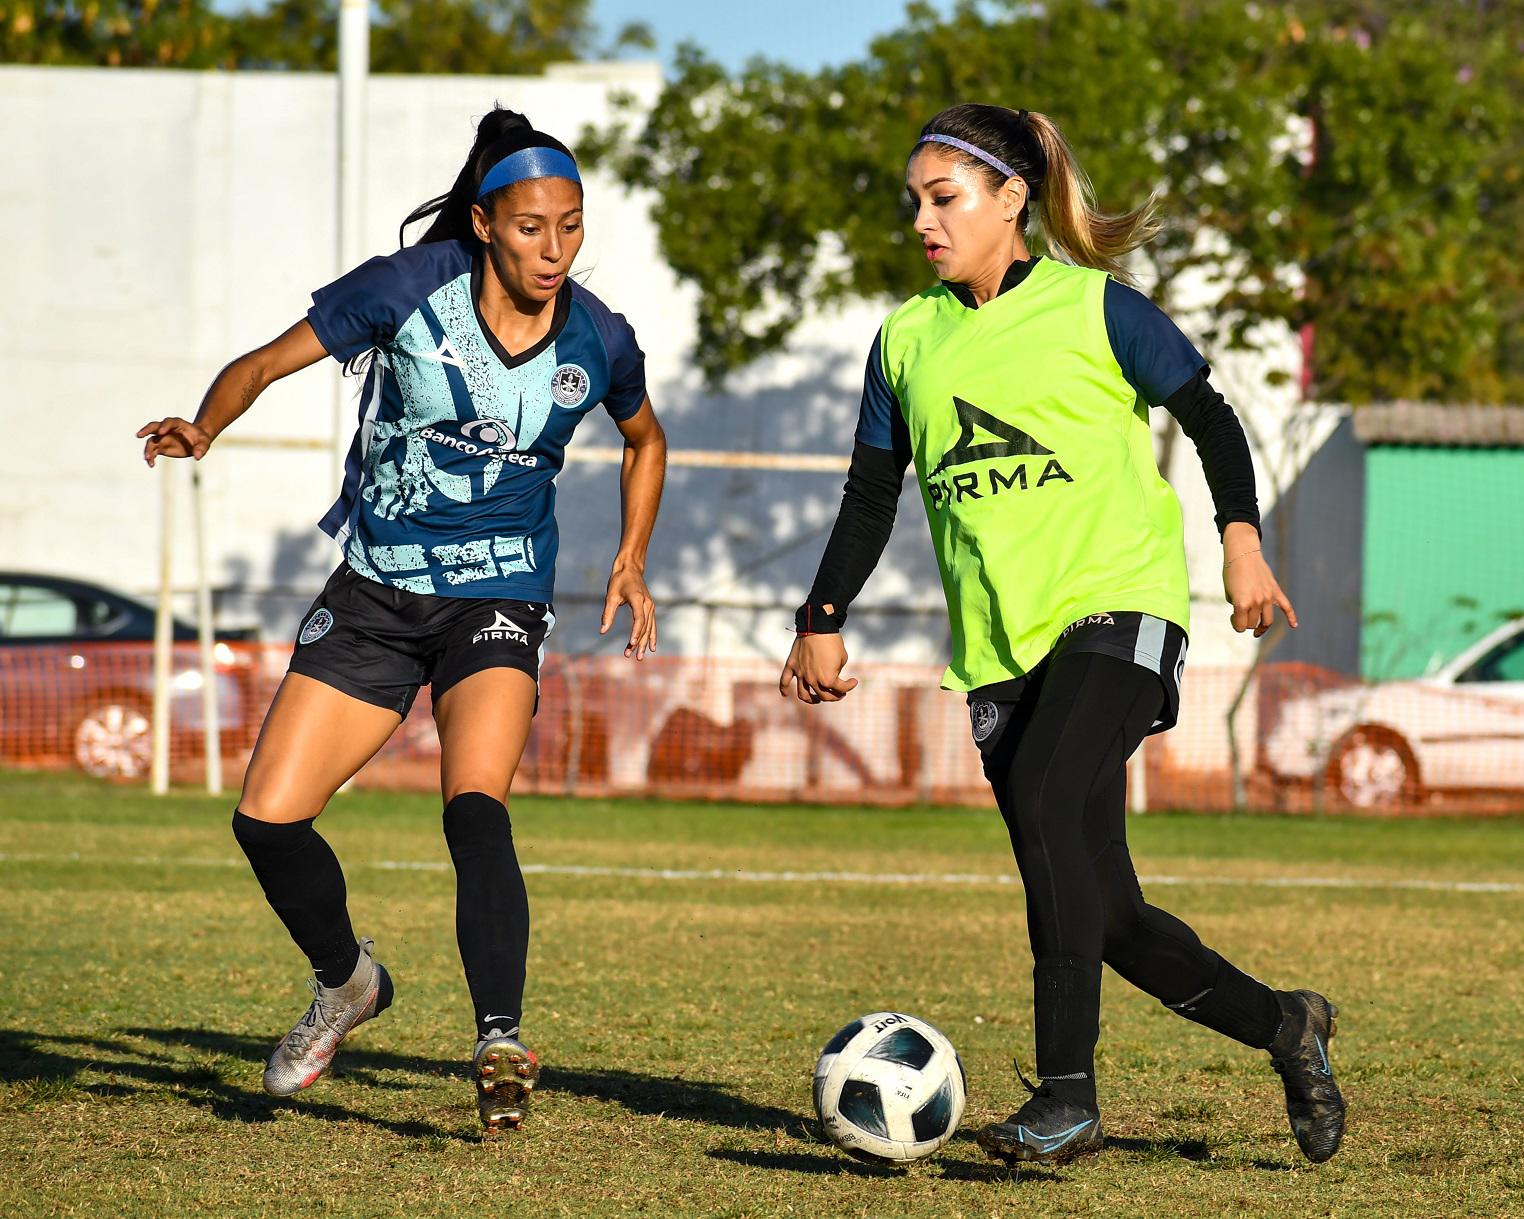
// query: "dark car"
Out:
[76,678]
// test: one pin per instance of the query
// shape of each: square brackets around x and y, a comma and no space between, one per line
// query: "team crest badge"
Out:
[317,626]
[985,715]
[569,385]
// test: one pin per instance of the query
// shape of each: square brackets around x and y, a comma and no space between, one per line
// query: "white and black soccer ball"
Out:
[889,1088]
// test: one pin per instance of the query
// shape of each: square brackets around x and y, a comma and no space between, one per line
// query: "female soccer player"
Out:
[1017,386]
[484,358]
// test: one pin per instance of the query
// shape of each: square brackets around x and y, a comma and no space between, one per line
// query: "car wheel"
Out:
[113,737]
[1372,768]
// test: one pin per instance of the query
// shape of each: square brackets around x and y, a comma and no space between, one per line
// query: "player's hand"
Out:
[813,669]
[628,587]
[174,437]
[1251,590]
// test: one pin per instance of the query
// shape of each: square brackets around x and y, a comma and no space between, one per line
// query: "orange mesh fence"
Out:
[1289,737]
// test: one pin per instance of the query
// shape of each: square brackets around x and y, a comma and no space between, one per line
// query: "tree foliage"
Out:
[501,37]
[114,33]
[1329,163]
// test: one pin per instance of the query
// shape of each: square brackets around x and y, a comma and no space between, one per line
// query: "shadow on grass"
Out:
[689,1100]
[1193,1150]
[825,1163]
[991,1172]
[194,1065]
[53,1062]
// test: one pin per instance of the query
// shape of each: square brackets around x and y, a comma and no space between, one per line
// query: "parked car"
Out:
[1386,744]
[76,678]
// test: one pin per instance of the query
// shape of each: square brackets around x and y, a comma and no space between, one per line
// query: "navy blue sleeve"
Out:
[627,363]
[880,422]
[1153,355]
[627,371]
[366,307]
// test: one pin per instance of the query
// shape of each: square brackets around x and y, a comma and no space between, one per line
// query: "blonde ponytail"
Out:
[1072,229]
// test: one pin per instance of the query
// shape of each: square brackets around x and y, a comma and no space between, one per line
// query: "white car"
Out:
[1385,744]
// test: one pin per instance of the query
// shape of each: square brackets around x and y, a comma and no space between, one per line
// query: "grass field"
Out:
[143,980]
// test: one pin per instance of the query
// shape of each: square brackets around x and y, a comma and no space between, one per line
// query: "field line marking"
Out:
[792,877]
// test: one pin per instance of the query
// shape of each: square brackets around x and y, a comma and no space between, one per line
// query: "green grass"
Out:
[142,981]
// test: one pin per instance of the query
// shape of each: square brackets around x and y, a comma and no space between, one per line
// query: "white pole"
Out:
[210,702]
[354,66]
[163,630]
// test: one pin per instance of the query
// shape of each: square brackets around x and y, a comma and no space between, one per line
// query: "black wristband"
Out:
[812,619]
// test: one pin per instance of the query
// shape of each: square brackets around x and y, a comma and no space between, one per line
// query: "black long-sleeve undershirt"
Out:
[1211,425]
[869,502]
[871,496]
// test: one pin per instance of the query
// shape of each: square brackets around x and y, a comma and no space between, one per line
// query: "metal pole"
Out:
[163,631]
[210,702]
[354,66]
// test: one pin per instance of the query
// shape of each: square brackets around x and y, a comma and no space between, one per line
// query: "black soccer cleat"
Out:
[1299,1055]
[1045,1130]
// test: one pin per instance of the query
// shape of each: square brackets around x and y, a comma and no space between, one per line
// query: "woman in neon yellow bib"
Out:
[1019,387]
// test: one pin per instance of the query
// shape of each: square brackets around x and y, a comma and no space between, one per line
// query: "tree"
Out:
[777,188]
[114,33]
[501,37]
[1409,212]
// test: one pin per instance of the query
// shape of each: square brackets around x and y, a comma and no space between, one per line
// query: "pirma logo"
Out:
[316,627]
[985,715]
[1006,441]
[1091,620]
[569,385]
[502,629]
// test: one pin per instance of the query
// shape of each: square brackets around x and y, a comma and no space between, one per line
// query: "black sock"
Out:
[304,885]
[491,908]
[1066,994]
[1237,1006]
[1293,1023]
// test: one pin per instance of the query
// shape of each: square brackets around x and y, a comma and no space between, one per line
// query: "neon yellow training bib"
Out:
[1036,466]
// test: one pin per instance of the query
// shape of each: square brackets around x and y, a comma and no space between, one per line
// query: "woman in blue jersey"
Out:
[483,358]
[1019,388]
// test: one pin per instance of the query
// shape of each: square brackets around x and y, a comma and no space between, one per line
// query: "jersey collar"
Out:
[557,319]
[1014,275]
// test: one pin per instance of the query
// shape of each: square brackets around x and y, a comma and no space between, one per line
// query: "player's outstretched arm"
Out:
[640,482]
[232,393]
[863,525]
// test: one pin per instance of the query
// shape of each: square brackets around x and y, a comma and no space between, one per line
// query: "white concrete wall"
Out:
[161,223]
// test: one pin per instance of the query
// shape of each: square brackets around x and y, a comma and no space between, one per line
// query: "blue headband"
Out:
[528,163]
[973,151]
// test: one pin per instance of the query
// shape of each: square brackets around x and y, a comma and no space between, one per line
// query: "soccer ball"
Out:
[889,1088]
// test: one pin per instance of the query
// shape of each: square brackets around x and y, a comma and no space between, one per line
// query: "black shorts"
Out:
[1152,643]
[379,644]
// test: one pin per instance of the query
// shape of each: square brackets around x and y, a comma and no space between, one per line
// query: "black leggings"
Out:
[1057,763]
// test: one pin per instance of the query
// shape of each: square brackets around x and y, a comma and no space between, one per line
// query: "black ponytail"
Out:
[452,211]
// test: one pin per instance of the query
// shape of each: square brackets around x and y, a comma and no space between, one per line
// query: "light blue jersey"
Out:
[449,487]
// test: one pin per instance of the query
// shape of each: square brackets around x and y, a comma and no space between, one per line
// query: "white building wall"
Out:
[161,223]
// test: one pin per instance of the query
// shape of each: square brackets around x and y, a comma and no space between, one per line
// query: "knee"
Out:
[1045,815]
[276,801]
[257,834]
[474,822]
[1119,935]
[1124,920]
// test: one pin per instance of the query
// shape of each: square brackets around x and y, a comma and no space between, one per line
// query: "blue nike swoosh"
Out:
[1052,1142]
